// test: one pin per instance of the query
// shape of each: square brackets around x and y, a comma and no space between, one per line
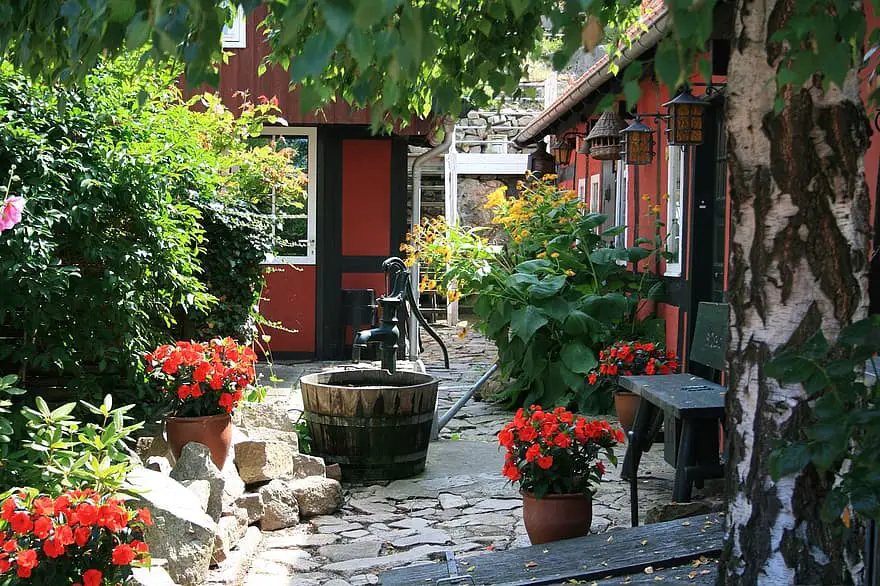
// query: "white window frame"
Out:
[676,183]
[595,192]
[235,35]
[311,188]
[582,191]
[621,205]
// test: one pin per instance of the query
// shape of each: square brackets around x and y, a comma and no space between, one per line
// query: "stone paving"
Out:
[460,503]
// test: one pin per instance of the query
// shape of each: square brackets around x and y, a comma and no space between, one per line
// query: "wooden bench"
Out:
[691,408]
[669,549]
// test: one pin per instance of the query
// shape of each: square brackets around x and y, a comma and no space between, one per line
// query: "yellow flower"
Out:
[542,254]
[665,196]
[655,208]
[432,284]
[453,296]
[554,255]
[524,233]
[462,333]
[646,197]
[569,273]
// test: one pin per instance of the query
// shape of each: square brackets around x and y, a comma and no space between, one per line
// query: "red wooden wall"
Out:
[241,73]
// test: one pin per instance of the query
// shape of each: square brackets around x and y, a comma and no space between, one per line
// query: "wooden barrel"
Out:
[374,424]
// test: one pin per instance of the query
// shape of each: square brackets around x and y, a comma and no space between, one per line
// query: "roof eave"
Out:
[593,80]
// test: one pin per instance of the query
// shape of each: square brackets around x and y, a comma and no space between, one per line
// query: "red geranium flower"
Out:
[93,578]
[123,554]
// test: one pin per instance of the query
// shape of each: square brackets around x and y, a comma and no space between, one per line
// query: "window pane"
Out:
[290,233]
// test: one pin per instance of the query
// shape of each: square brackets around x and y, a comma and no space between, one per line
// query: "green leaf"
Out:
[137,33]
[578,358]
[338,14]
[667,65]
[526,321]
[315,55]
[556,308]
[547,287]
[788,459]
[538,265]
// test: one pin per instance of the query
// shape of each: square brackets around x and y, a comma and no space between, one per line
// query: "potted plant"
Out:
[203,383]
[629,358]
[81,537]
[554,456]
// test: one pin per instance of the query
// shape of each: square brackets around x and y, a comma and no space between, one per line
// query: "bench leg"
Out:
[681,492]
[638,440]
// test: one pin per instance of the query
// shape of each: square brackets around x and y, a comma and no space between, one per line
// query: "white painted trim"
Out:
[621,204]
[312,189]
[235,35]
[595,192]
[676,164]
[491,164]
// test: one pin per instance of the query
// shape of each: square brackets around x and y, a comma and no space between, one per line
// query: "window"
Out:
[676,173]
[293,228]
[582,190]
[235,35]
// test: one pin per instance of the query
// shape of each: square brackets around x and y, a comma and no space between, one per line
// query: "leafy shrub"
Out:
[839,438]
[53,450]
[140,226]
[106,253]
[550,297]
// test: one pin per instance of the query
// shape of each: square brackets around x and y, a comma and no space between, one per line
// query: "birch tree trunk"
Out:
[800,208]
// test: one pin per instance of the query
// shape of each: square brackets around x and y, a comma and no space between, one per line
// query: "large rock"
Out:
[266,415]
[289,438]
[317,495]
[181,533]
[231,530]
[259,461]
[233,486]
[304,466]
[154,576]
[195,464]
[281,506]
[252,503]
[200,488]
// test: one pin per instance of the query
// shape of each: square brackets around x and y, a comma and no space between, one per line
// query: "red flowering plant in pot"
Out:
[81,538]
[554,456]
[629,358]
[203,383]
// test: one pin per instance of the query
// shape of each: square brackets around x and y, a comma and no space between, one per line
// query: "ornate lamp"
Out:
[604,138]
[561,150]
[685,121]
[541,162]
[637,141]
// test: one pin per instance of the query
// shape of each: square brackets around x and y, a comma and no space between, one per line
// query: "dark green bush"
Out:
[106,253]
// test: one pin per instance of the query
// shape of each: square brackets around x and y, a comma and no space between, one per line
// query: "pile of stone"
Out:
[498,128]
[204,516]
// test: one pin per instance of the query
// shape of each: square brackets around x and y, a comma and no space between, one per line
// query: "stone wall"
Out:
[501,125]
[472,192]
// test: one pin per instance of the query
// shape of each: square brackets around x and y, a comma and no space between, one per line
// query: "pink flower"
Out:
[10,212]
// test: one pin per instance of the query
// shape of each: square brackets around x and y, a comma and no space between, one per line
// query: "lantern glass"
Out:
[562,151]
[638,144]
[685,119]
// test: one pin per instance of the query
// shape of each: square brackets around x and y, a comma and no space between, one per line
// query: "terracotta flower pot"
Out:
[557,516]
[213,431]
[626,404]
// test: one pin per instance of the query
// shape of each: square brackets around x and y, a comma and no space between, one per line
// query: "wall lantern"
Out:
[541,162]
[604,137]
[637,144]
[561,150]
[685,119]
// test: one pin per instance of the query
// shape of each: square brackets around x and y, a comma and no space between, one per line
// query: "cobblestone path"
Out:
[461,502]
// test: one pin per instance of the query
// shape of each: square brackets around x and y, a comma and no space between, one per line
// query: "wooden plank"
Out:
[586,558]
[703,575]
[694,395]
